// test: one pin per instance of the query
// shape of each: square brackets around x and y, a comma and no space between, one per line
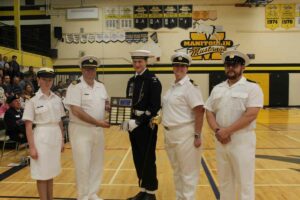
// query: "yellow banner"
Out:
[272,14]
[288,13]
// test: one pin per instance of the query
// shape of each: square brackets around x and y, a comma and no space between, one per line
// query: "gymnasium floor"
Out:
[277,165]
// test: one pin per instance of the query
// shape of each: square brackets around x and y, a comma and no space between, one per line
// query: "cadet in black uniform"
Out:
[145,89]
[15,127]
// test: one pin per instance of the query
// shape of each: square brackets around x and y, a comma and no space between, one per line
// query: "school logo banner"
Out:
[203,46]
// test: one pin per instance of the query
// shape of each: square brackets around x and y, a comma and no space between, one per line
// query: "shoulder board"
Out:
[251,81]
[100,82]
[193,82]
[75,82]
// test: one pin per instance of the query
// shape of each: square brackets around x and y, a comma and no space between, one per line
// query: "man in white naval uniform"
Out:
[183,119]
[231,111]
[85,100]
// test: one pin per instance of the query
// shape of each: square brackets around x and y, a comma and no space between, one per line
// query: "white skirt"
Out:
[48,141]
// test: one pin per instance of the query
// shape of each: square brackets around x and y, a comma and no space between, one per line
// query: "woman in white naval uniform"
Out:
[46,141]
[231,110]
[183,119]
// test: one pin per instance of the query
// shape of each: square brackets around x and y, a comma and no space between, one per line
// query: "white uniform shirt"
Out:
[179,101]
[43,109]
[229,103]
[90,99]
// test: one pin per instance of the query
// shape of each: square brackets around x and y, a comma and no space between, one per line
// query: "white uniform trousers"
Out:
[236,167]
[185,160]
[88,154]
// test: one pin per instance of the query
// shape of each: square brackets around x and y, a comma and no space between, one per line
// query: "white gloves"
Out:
[129,125]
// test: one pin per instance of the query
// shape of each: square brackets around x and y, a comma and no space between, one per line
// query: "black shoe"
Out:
[149,197]
[138,196]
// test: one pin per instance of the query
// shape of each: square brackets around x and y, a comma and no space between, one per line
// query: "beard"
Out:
[233,75]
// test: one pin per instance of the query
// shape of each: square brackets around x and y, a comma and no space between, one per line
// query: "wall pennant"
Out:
[155,17]
[140,16]
[69,38]
[170,16]
[185,16]
[76,38]
[126,17]
[91,38]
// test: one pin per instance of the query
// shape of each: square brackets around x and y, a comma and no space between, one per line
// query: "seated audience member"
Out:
[3,108]
[7,86]
[15,86]
[26,95]
[27,80]
[15,127]
[2,93]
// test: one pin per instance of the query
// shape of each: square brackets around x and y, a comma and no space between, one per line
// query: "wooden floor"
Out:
[277,165]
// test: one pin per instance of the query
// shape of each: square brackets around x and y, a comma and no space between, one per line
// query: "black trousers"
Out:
[143,142]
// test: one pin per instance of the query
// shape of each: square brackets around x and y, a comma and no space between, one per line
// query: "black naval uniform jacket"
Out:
[145,91]
[15,127]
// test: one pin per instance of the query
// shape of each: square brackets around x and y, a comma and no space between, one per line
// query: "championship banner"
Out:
[106,37]
[112,15]
[288,14]
[185,16]
[136,37]
[91,38]
[83,38]
[204,15]
[126,17]
[97,37]
[272,14]
[76,38]
[155,17]
[140,17]
[170,16]
[298,15]
[69,38]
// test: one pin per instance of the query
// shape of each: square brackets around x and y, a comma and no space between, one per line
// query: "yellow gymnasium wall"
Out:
[263,80]
[27,59]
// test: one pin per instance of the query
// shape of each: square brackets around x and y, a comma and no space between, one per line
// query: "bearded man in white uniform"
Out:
[231,111]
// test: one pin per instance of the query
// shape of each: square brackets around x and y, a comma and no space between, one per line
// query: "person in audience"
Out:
[15,127]
[45,110]
[16,89]
[7,86]
[15,66]
[1,62]
[6,66]
[2,93]
[27,80]
[26,95]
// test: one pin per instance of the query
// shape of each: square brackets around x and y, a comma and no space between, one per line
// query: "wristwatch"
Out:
[197,135]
